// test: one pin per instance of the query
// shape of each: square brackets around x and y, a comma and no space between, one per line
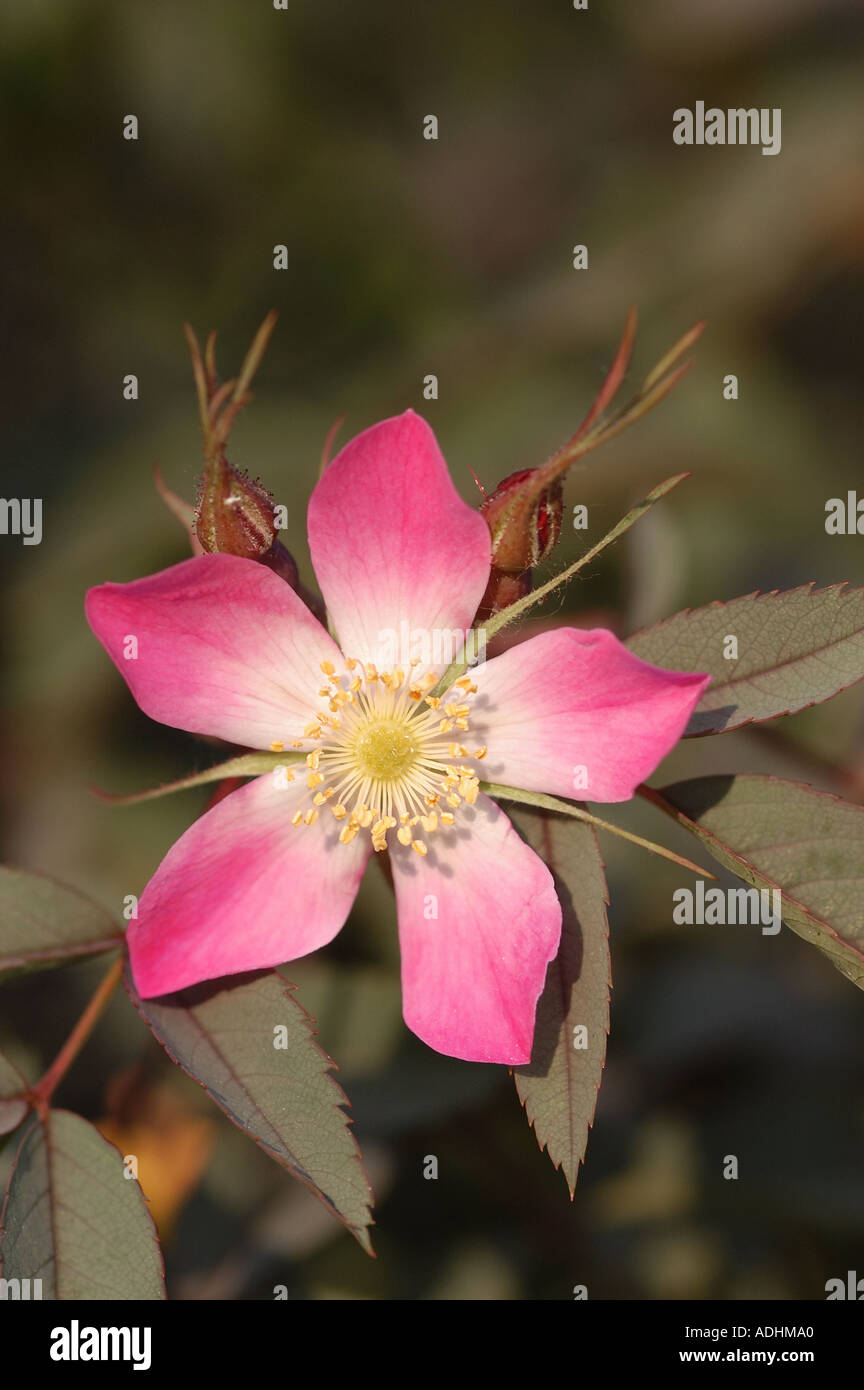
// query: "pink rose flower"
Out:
[227,648]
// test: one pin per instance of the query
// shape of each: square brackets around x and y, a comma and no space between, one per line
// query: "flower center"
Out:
[386,758]
[385,749]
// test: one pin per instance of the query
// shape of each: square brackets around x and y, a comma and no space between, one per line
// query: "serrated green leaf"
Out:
[795,649]
[13,1092]
[786,835]
[43,923]
[559,1086]
[223,1034]
[74,1220]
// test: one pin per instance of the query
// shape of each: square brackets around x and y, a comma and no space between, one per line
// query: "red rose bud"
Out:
[502,590]
[525,523]
[235,515]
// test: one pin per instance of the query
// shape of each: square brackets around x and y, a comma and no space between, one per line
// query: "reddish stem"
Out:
[44,1089]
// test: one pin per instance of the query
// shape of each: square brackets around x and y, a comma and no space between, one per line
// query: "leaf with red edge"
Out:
[43,923]
[796,648]
[74,1219]
[786,835]
[284,1097]
[14,1090]
[559,1086]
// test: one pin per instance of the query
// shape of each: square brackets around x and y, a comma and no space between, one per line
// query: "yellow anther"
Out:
[312,730]
[447,818]
[319,798]
[314,780]
[431,800]
[371,672]
[296,743]
[297,817]
[313,759]
[433,701]
[379,828]
[339,811]
[429,823]
[328,668]
[277,747]
[403,835]
[347,833]
[356,683]
[415,693]
[453,749]
[351,662]
[311,817]
[470,789]
[481,752]
[365,816]
[454,800]
[463,725]
[419,846]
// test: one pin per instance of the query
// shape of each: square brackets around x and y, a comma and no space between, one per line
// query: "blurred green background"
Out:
[409,257]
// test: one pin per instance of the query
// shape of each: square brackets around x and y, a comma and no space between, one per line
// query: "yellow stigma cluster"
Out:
[385,755]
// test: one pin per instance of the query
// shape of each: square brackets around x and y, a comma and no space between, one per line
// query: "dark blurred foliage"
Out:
[409,257]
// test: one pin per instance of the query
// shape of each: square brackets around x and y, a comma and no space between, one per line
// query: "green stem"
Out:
[566,808]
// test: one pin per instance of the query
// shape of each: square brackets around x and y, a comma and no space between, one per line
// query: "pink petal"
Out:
[570,700]
[395,548]
[244,889]
[225,647]
[472,974]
